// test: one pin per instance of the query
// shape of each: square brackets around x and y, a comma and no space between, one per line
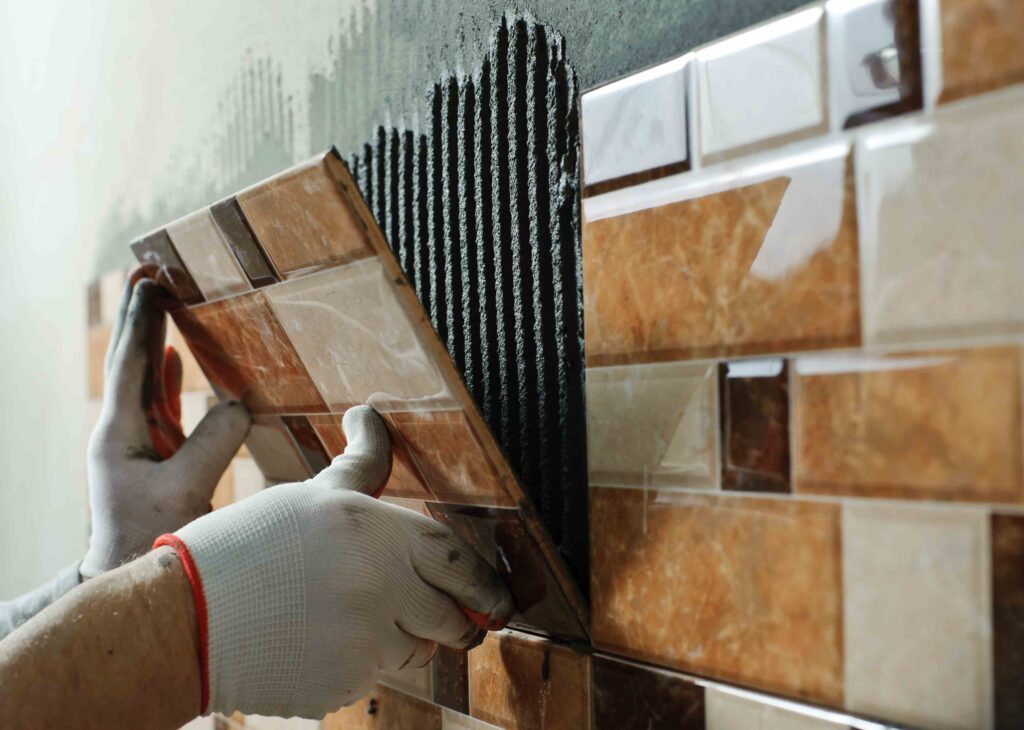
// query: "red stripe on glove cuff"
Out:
[194,580]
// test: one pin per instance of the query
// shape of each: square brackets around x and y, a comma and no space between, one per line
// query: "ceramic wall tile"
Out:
[981,45]
[240,240]
[755,262]
[629,697]
[192,377]
[917,626]
[653,425]
[1008,619]
[457,721]
[303,221]
[450,675]
[521,683]
[157,251]
[942,424]
[360,347]
[755,425]
[245,353]
[502,538]
[729,711]
[385,709]
[941,223]
[874,59]
[765,85]
[205,253]
[637,124]
[748,590]
[97,339]
[275,451]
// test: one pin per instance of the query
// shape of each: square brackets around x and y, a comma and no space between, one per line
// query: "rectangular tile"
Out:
[941,424]
[653,425]
[156,251]
[275,451]
[917,622]
[628,697]
[755,425]
[247,355]
[730,711]
[204,252]
[765,85]
[303,221]
[450,679]
[941,223]
[750,263]
[981,45]
[242,242]
[637,124]
[1008,619]
[385,709]
[520,683]
[666,572]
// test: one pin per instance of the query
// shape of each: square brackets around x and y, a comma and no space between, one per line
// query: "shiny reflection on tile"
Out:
[303,221]
[520,683]
[728,711]
[628,697]
[748,590]
[205,253]
[157,251]
[308,442]
[247,356]
[275,451]
[942,424]
[450,679]
[240,239]
[981,45]
[754,263]
[653,425]
[941,223]
[763,85]
[917,619]
[755,425]
[360,347]
[385,709]
[502,539]
[636,124]
[1008,619]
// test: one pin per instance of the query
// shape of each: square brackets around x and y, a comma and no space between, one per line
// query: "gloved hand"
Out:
[304,591]
[136,492]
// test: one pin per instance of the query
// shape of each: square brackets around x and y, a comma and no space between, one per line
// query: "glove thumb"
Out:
[366,463]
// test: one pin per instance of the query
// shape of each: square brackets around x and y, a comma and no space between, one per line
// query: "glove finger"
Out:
[122,312]
[207,452]
[400,649]
[429,614]
[366,462]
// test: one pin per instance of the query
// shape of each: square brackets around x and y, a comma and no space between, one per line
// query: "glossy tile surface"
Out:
[450,676]
[767,264]
[943,424]
[157,251]
[302,220]
[359,345]
[385,709]
[245,352]
[522,683]
[941,223]
[727,711]
[981,45]
[763,85]
[240,240]
[666,572]
[628,697]
[275,451]
[755,425]
[205,253]
[917,627]
[654,425]
[1008,619]
[636,124]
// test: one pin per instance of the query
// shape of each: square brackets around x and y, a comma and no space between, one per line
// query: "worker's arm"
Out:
[145,479]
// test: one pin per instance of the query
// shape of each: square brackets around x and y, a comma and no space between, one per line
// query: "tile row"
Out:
[830,66]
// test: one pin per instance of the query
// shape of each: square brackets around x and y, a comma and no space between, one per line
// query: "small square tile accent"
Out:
[156,250]
[981,45]
[385,709]
[1008,619]
[630,697]
[755,425]
[240,239]
[204,252]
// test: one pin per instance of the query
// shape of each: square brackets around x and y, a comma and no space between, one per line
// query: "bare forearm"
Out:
[119,651]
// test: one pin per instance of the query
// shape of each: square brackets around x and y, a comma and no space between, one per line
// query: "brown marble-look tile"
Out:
[450,457]
[98,338]
[1008,619]
[748,590]
[755,425]
[306,439]
[303,221]
[628,697]
[925,425]
[157,250]
[451,679]
[524,683]
[981,46]
[385,709]
[247,356]
[240,239]
[502,538]
[743,271]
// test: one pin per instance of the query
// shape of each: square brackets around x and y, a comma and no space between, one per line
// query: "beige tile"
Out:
[205,253]
[981,45]
[917,616]
[727,711]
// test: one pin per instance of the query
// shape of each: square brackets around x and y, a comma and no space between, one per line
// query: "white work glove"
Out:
[304,592]
[145,479]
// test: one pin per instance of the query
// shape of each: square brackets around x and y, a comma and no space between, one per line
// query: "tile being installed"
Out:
[1008,619]
[629,697]
[981,45]
[157,251]
[747,590]
[763,86]
[942,226]
[653,425]
[240,240]
[730,711]
[750,260]
[917,618]
[636,124]
[205,254]
[308,442]
[755,425]
[924,425]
